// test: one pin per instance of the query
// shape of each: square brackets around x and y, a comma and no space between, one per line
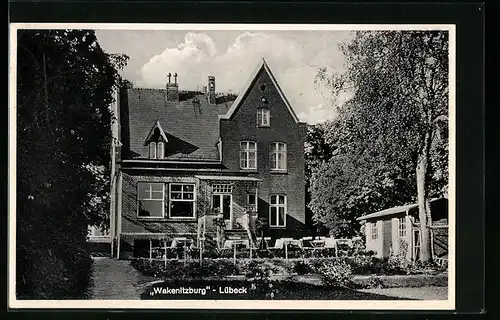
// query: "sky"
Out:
[231,56]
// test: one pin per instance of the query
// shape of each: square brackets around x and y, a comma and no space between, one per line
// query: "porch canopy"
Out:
[228,178]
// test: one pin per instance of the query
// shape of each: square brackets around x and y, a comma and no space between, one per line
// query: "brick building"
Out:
[181,158]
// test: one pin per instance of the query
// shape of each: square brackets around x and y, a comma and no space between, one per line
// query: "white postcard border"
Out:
[448,304]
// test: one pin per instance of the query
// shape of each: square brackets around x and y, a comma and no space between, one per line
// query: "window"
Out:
[374,231]
[222,188]
[151,200]
[277,211]
[160,150]
[263,117]
[252,201]
[402,227]
[278,156]
[182,200]
[152,150]
[248,155]
[157,150]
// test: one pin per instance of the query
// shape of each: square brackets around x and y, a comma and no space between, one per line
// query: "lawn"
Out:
[284,290]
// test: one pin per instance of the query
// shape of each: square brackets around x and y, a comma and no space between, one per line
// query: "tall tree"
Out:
[317,151]
[353,181]
[64,87]
[399,108]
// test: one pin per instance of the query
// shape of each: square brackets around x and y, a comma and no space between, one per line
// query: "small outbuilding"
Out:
[396,229]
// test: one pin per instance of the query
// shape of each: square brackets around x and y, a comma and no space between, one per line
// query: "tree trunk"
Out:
[423,208]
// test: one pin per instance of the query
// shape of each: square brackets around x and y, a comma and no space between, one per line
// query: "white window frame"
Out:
[263,117]
[150,199]
[252,206]
[222,188]
[170,200]
[247,152]
[275,154]
[277,205]
[373,231]
[402,227]
[160,152]
[152,150]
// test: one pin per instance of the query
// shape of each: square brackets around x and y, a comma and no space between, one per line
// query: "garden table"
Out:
[318,243]
[288,241]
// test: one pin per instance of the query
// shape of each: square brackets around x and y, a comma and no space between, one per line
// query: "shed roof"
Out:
[391,211]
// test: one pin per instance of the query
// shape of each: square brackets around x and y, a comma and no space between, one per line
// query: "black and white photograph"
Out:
[232,165]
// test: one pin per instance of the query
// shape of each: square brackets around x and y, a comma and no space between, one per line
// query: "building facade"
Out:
[182,158]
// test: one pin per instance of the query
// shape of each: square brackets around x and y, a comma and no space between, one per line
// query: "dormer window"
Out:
[157,150]
[263,117]
[156,142]
[160,150]
[152,150]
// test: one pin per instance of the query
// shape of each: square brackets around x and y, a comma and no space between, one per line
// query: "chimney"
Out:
[172,88]
[211,89]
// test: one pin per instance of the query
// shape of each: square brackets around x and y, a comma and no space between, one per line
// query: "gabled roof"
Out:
[262,65]
[152,132]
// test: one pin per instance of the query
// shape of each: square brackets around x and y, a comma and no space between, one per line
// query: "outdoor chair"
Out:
[277,249]
[330,247]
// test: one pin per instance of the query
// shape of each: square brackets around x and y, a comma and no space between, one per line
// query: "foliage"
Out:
[301,268]
[374,282]
[390,138]
[399,262]
[317,152]
[335,273]
[64,87]
[258,271]
[180,270]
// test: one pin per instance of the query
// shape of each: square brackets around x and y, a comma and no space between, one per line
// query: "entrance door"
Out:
[223,204]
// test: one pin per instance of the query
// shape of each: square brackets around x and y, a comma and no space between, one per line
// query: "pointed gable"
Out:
[152,132]
[261,67]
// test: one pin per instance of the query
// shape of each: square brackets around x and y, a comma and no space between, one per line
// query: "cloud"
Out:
[294,63]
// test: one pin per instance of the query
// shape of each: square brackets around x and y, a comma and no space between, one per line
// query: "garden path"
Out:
[116,279]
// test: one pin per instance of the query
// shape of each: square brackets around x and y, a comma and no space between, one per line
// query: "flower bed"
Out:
[221,267]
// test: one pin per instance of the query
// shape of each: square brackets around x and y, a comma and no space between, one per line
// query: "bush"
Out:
[374,282]
[178,270]
[335,273]
[258,270]
[302,267]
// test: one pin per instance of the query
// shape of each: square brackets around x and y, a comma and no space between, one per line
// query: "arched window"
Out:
[277,156]
[248,155]
[160,153]
[152,150]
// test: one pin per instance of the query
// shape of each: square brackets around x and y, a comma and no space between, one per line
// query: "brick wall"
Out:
[283,128]
[130,223]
